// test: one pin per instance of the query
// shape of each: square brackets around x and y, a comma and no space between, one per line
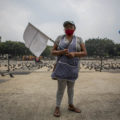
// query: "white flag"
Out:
[35,40]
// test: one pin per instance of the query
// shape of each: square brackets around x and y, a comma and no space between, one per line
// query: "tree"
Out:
[14,48]
[100,47]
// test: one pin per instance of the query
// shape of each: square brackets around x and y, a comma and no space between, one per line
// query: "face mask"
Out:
[69,32]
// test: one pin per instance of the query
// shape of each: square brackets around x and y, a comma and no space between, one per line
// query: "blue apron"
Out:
[66,68]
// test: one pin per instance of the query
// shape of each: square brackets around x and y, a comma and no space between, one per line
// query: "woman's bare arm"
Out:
[83,52]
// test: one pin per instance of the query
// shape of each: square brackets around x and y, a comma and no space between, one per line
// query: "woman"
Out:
[68,48]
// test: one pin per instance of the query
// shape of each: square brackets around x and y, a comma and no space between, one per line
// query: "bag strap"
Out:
[67,46]
[69,42]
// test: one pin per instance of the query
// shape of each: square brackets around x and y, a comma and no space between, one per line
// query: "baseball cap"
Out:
[69,22]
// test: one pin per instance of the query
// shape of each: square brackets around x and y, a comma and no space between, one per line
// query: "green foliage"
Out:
[102,47]
[18,49]
[47,51]
[95,47]
[14,48]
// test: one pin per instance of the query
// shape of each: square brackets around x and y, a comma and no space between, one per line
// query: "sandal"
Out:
[74,109]
[57,112]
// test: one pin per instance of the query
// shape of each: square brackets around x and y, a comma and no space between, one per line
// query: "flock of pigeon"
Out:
[31,66]
[105,66]
[22,67]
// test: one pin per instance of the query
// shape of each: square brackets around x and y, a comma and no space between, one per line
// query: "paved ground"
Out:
[32,97]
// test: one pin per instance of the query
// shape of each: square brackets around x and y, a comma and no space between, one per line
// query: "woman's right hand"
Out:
[63,52]
[58,52]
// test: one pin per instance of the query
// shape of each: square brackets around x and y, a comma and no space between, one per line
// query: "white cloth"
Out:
[35,40]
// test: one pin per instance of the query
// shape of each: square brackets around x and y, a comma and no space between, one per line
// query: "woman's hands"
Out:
[70,54]
[78,54]
[67,53]
[63,52]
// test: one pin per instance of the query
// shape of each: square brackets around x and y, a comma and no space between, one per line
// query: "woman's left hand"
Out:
[70,54]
